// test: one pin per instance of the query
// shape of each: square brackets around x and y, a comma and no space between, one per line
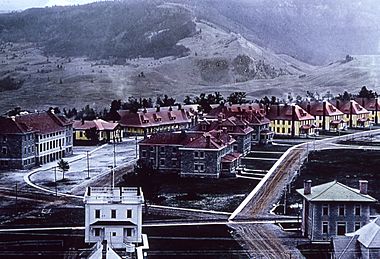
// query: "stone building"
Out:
[34,139]
[334,209]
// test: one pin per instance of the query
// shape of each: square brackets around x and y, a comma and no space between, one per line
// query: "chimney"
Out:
[158,108]
[224,129]
[278,109]
[324,105]
[179,106]
[294,115]
[144,111]
[220,118]
[307,187]
[170,108]
[208,139]
[337,104]
[376,109]
[308,107]
[363,186]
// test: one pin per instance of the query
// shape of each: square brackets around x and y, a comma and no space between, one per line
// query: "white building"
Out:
[114,215]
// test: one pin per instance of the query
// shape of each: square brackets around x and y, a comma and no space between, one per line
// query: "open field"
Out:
[329,165]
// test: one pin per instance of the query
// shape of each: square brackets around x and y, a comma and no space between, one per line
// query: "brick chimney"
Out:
[208,139]
[307,187]
[363,186]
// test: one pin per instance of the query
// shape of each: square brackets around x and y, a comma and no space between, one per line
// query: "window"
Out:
[113,214]
[357,210]
[325,209]
[199,167]
[97,214]
[97,232]
[162,161]
[357,226]
[325,227]
[4,150]
[341,210]
[129,232]
[129,214]
[162,149]
[143,153]
[114,234]
[341,228]
[4,139]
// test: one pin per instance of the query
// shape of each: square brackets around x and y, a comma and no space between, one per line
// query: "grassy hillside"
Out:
[119,29]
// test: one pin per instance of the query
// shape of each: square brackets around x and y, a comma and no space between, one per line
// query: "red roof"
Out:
[11,126]
[369,103]
[99,124]
[151,118]
[211,140]
[316,108]
[43,122]
[285,112]
[233,125]
[253,113]
[229,158]
[345,107]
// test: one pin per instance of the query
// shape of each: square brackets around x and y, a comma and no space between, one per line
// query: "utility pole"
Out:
[55,180]
[136,145]
[88,166]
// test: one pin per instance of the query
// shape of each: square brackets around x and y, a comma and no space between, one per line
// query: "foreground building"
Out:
[114,215]
[373,106]
[191,154]
[363,243]
[291,121]
[99,130]
[33,139]
[334,209]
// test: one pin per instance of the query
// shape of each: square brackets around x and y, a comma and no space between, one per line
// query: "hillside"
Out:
[101,30]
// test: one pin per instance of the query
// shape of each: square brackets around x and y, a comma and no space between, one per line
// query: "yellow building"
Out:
[290,120]
[355,115]
[96,131]
[373,106]
[327,116]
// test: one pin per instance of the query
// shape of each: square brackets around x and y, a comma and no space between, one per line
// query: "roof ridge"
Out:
[346,248]
[328,188]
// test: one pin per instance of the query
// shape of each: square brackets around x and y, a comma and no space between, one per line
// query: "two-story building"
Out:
[253,113]
[327,116]
[191,154]
[160,119]
[33,139]
[237,127]
[363,243]
[114,215]
[373,106]
[102,131]
[291,120]
[355,115]
[334,209]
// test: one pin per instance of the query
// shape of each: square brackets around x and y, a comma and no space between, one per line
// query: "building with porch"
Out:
[334,209]
[99,130]
[161,119]
[355,115]
[327,116]
[114,215]
[373,106]
[291,120]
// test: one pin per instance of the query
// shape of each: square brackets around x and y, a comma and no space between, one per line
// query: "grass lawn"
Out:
[224,194]
[345,166]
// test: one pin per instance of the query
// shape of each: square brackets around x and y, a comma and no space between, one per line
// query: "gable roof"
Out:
[369,235]
[335,191]
[369,103]
[316,108]
[285,112]
[345,247]
[151,118]
[345,107]
[217,140]
[170,138]
[43,122]
[99,124]
[11,126]
[233,125]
